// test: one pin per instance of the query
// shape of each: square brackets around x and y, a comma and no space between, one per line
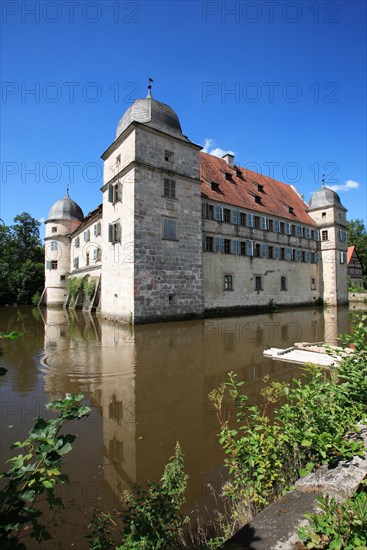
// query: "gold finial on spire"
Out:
[67,190]
[149,87]
[323,180]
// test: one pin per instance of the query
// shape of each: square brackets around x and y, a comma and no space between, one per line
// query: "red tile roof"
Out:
[275,196]
[351,249]
[96,213]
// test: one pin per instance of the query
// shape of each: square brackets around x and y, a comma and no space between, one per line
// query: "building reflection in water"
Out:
[150,384]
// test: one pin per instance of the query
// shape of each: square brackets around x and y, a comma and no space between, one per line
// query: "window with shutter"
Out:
[287,228]
[218,213]
[114,232]
[77,242]
[48,264]
[218,244]
[250,248]
[276,226]
[263,222]
[250,220]
[288,254]
[276,252]
[263,250]
[234,217]
[235,247]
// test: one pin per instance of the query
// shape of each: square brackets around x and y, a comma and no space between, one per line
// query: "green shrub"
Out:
[89,286]
[35,472]
[152,518]
[36,298]
[339,526]
[308,427]
[74,284]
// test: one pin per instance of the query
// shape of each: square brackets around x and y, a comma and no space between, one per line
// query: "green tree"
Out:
[21,260]
[357,236]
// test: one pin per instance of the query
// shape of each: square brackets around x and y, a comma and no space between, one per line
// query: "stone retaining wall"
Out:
[276,527]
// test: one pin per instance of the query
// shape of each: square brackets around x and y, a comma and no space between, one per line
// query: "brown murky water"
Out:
[147,387]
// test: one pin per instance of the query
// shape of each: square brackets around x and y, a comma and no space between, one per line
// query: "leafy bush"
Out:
[89,286]
[310,421]
[35,472]
[152,518]
[264,456]
[36,298]
[338,526]
[74,284]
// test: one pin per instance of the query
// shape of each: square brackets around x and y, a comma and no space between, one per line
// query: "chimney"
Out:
[229,158]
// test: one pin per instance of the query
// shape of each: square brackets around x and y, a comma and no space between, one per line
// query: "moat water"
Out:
[147,387]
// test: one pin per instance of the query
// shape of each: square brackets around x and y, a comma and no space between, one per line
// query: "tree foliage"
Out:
[21,260]
[357,236]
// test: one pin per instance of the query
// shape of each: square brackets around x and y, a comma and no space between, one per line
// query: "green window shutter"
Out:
[110,192]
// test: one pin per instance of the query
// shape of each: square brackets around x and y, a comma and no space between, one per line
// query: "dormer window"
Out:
[239,173]
[256,198]
[290,209]
[214,186]
[260,188]
[228,176]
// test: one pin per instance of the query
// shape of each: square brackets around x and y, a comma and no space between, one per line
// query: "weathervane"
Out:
[323,180]
[67,190]
[149,87]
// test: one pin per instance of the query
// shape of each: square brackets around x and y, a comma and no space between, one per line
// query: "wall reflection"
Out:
[150,384]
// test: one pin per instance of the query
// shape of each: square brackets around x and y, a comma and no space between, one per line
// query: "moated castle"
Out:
[183,234]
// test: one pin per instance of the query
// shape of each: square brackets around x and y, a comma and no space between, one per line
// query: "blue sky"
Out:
[281,84]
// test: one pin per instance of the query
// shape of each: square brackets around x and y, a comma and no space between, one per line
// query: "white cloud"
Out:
[42,220]
[350,184]
[217,151]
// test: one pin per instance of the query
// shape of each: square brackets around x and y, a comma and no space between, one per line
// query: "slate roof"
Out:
[276,197]
[65,209]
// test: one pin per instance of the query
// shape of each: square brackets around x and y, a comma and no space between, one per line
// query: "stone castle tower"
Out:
[152,207]
[330,215]
[64,218]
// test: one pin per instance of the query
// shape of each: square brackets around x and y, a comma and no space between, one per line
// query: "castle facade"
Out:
[183,234]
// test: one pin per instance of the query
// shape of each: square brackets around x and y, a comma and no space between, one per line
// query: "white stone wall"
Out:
[86,251]
[55,279]
[117,297]
[120,154]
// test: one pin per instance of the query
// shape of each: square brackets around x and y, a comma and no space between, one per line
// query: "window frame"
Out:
[165,233]
[169,189]
[228,282]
